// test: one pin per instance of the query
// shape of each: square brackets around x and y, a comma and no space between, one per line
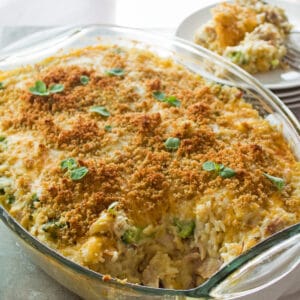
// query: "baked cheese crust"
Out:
[135,167]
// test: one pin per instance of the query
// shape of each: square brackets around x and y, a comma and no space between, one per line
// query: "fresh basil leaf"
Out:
[68,164]
[40,86]
[277,181]
[209,166]
[108,128]
[115,72]
[227,172]
[220,169]
[84,79]
[79,173]
[172,143]
[56,88]
[160,96]
[2,138]
[39,89]
[185,229]
[1,86]
[101,110]
[172,100]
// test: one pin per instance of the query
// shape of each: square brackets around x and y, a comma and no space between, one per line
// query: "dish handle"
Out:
[262,266]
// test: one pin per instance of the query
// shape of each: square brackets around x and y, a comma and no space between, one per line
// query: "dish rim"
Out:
[14,226]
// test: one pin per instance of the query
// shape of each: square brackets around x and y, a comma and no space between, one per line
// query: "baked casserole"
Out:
[250,33]
[139,169]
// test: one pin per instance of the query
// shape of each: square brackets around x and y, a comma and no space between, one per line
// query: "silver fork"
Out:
[291,100]
[291,97]
[293,51]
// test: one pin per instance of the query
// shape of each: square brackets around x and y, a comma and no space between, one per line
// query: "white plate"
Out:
[277,79]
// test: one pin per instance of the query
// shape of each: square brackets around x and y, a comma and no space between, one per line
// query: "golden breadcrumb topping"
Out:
[110,169]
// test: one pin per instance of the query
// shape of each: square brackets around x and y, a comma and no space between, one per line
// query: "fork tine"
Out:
[287,93]
[290,101]
[293,50]
[291,47]
[292,63]
[296,111]
[294,105]
[292,55]
[294,43]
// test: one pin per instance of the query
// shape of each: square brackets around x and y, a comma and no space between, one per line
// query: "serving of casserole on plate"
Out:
[133,166]
[251,34]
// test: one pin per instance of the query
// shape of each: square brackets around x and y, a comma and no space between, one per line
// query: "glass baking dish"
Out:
[266,271]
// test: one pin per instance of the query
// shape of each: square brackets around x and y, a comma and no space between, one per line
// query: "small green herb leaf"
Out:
[1,86]
[39,89]
[172,143]
[56,88]
[75,173]
[172,100]
[108,128]
[220,169]
[2,138]
[115,72]
[84,79]
[185,229]
[227,172]
[277,181]
[68,164]
[160,96]
[78,173]
[101,110]
[131,236]
[209,166]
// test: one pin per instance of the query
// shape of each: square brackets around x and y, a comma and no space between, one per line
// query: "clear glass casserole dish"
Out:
[267,270]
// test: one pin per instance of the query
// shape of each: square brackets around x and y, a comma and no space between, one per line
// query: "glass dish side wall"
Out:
[86,283]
